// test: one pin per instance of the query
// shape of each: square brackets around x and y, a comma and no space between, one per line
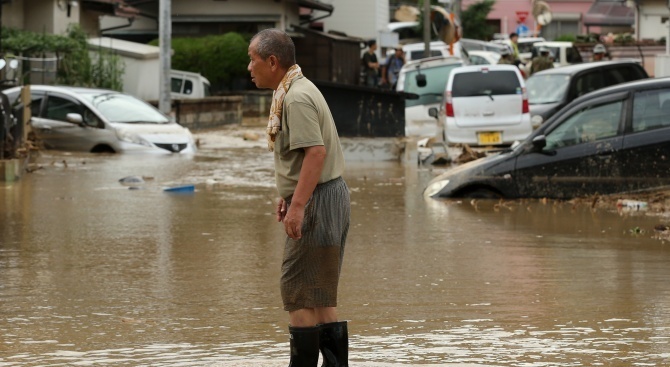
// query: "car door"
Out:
[645,156]
[56,132]
[579,157]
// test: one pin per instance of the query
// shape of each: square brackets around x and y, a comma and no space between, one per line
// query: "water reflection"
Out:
[95,273]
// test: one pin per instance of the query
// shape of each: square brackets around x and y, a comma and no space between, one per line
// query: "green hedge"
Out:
[222,59]
[75,66]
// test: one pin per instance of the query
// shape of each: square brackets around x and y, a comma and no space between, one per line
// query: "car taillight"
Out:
[524,106]
[449,107]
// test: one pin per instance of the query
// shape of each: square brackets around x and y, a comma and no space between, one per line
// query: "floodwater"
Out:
[93,273]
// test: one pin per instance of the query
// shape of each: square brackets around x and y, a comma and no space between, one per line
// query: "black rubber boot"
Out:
[304,346]
[334,344]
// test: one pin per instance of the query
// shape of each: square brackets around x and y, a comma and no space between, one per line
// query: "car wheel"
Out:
[482,194]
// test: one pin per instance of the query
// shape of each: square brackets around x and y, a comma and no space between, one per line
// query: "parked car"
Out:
[99,120]
[479,45]
[186,84]
[485,105]
[524,44]
[613,140]
[478,57]
[415,51]
[564,53]
[550,90]
[427,79]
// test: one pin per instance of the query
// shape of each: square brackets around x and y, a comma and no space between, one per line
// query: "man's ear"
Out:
[274,62]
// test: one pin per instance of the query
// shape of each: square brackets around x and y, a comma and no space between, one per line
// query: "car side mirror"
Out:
[432,112]
[75,118]
[421,80]
[539,142]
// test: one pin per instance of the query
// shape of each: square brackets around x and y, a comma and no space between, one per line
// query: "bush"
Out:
[567,38]
[219,58]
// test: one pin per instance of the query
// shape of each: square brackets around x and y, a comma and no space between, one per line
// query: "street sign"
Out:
[521,16]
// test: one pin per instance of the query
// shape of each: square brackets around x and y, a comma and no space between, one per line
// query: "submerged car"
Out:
[550,90]
[613,140]
[99,120]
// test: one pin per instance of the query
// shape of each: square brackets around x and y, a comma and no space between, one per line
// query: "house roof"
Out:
[117,8]
[609,13]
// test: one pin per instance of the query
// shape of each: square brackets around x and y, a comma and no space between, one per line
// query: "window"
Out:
[589,124]
[416,55]
[589,82]
[436,79]
[478,60]
[35,103]
[176,85]
[572,55]
[58,108]
[485,83]
[188,87]
[651,109]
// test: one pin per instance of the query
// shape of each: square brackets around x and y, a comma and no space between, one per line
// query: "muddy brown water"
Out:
[95,273]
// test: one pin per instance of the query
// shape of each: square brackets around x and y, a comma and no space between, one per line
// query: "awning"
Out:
[609,13]
[117,8]
[316,5]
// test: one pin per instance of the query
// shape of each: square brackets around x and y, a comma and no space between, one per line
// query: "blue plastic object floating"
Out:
[184,188]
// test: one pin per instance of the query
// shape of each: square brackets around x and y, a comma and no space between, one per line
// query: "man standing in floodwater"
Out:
[314,205]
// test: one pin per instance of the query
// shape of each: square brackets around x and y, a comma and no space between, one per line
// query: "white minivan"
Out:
[426,78]
[485,105]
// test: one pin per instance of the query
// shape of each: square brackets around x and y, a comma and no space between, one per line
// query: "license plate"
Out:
[489,138]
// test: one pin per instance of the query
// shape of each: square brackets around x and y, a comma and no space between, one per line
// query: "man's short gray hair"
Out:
[276,42]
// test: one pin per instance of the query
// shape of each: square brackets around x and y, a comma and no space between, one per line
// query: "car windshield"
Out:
[492,83]
[547,88]
[436,80]
[123,108]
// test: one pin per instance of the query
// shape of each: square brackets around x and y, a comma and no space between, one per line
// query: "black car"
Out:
[613,140]
[550,90]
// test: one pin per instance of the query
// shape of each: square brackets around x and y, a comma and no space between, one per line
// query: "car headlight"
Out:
[129,137]
[435,187]
[536,120]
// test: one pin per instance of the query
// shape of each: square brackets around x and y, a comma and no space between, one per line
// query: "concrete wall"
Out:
[649,17]
[207,113]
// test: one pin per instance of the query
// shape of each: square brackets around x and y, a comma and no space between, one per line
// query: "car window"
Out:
[58,108]
[494,82]
[651,109]
[188,87]
[419,54]
[547,88]
[573,56]
[586,125]
[436,80]
[176,84]
[525,46]
[589,82]
[621,74]
[478,60]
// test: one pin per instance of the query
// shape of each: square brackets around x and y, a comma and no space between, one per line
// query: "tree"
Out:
[473,20]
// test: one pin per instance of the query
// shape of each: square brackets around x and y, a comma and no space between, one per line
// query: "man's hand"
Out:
[293,221]
[281,210]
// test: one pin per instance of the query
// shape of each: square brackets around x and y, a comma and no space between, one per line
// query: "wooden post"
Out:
[26,99]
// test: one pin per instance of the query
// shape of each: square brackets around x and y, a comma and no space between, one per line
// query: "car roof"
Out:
[553,43]
[67,89]
[650,83]
[433,61]
[578,68]
[497,67]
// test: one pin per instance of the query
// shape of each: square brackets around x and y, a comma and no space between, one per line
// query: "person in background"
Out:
[314,205]
[506,57]
[599,52]
[391,69]
[514,40]
[542,61]
[370,65]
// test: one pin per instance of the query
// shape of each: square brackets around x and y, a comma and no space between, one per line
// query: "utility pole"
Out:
[426,28]
[165,43]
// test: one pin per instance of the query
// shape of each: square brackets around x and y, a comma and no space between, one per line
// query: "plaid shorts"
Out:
[311,265]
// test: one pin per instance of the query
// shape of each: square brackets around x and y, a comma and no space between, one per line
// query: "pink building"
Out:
[569,17]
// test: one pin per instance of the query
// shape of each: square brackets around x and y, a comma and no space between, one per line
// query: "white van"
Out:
[427,79]
[415,51]
[186,84]
[485,105]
